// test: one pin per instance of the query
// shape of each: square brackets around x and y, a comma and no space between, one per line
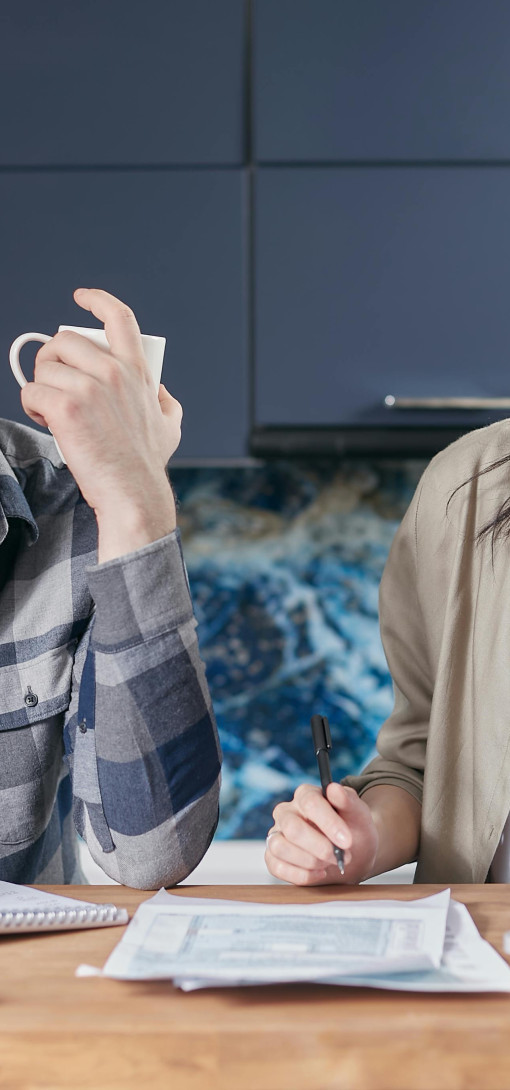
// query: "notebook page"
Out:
[15,898]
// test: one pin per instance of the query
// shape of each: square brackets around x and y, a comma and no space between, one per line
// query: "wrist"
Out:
[396,820]
[370,866]
[130,523]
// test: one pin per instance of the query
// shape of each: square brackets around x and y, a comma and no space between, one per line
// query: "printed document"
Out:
[469,964]
[429,944]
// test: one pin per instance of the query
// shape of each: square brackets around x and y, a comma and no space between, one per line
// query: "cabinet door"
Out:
[373,282]
[170,245]
[108,82]
[381,79]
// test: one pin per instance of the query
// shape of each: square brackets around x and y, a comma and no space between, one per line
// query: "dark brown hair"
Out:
[499,525]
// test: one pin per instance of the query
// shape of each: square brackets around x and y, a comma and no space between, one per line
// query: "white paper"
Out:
[468,964]
[25,909]
[14,898]
[214,942]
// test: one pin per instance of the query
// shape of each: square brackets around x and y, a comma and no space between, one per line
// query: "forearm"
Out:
[149,758]
[397,818]
[129,523]
[146,761]
[148,858]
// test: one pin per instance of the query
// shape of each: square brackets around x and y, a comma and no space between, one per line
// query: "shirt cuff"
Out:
[363,782]
[140,595]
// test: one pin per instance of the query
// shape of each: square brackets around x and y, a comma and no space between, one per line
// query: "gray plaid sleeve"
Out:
[142,742]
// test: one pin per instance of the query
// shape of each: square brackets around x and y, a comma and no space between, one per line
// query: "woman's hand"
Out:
[299,848]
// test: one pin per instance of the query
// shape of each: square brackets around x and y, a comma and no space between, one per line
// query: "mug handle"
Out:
[16,366]
[14,352]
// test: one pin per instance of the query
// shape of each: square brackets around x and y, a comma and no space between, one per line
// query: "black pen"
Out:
[322,744]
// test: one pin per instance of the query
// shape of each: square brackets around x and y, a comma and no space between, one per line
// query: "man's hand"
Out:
[301,851]
[115,431]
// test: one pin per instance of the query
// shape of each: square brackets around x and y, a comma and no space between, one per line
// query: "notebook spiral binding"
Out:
[26,919]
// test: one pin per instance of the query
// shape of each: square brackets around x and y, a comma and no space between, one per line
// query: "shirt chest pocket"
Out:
[33,696]
[36,689]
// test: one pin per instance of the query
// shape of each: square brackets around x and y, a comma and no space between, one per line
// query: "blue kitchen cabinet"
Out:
[110,83]
[340,80]
[171,244]
[379,282]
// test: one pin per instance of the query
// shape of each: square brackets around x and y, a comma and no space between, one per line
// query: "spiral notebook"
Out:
[25,909]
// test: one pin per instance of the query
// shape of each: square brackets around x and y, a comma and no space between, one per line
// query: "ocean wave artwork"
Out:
[284,561]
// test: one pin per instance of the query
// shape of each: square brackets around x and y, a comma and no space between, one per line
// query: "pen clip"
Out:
[327,732]
[321,733]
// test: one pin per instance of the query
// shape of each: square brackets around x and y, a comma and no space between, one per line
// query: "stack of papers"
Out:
[430,944]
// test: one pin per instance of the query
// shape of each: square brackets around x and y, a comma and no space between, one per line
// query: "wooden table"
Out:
[58,1031]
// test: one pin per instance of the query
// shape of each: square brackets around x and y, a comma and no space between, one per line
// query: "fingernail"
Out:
[339,838]
[79,291]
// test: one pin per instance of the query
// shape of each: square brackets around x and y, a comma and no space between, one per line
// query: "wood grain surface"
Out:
[57,1031]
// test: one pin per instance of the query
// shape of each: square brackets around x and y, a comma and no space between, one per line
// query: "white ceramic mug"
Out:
[153,348]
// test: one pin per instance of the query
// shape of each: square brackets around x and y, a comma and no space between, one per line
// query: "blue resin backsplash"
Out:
[284,562]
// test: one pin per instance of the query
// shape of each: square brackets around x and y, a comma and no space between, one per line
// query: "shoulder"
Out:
[456,484]
[468,457]
[29,458]
[22,445]
[472,453]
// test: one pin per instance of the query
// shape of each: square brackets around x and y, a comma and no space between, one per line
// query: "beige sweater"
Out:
[445,627]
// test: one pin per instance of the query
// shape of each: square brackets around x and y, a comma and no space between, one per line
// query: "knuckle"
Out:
[88,387]
[270,860]
[326,857]
[65,336]
[71,406]
[293,827]
[272,847]
[303,792]
[279,867]
[111,372]
[279,812]
[310,805]
[303,877]
[32,394]
[123,311]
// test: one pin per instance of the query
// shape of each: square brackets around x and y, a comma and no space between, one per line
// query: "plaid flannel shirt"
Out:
[106,724]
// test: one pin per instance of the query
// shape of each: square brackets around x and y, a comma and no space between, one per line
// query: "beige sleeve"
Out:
[402,740]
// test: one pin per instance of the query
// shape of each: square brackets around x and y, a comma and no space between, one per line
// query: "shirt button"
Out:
[83,726]
[31,699]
